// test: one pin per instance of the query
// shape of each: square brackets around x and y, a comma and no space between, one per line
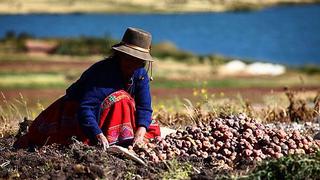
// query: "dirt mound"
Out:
[79,161]
[76,161]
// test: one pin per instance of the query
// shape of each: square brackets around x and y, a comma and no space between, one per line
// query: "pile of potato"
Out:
[231,139]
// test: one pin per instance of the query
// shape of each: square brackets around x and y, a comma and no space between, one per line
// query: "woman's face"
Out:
[129,64]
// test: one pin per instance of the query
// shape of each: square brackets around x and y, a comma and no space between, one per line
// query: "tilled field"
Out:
[224,147]
[78,161]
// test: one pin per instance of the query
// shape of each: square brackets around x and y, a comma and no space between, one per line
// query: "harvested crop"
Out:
[233,139]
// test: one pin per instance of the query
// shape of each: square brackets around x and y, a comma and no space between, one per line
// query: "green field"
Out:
[60,74]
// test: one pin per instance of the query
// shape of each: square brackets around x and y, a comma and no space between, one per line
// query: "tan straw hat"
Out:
[135,42]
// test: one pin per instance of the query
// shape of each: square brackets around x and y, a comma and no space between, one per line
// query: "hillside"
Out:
[137,6]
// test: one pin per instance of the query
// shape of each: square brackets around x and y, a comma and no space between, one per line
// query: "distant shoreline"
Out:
[135,6]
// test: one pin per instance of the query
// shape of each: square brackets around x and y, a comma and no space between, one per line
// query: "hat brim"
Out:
[132,52]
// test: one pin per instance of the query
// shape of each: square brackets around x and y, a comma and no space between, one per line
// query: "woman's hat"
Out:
[135,42]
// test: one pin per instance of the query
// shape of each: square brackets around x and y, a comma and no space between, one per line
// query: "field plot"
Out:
[212,148]
[247,127]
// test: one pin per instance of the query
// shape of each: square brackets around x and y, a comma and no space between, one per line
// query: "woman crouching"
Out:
[109,104]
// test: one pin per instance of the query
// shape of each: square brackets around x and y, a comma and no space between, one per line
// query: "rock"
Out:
[317,136]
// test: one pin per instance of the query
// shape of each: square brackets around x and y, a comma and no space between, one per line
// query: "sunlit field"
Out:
[217,124]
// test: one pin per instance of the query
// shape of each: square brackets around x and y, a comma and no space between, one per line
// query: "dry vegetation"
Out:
[137,6]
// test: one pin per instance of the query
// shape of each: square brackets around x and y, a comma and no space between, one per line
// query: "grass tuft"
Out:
[177,170]
[288,167]
[14,112]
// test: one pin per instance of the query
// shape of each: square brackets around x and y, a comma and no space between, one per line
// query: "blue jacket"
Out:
[99,81]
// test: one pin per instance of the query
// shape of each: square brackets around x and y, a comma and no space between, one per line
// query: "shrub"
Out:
[85,46]
[289,167]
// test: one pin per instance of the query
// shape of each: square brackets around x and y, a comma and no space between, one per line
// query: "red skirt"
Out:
[58,123]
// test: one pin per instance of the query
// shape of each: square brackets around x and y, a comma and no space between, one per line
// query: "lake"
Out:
[287,34]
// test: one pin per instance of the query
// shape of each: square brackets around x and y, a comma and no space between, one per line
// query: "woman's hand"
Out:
[103,141]
[139,136]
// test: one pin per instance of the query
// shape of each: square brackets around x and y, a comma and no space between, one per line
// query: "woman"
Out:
[109,104]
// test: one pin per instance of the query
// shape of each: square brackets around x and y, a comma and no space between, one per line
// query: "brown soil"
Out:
[57,162]
[78,161]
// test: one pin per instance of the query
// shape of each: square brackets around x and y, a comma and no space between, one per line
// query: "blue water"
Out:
[287,35]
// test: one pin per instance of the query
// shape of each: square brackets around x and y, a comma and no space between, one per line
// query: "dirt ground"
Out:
[78,161]
[57,162]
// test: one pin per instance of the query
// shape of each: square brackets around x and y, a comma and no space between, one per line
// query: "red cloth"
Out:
[117,120]
[58,123]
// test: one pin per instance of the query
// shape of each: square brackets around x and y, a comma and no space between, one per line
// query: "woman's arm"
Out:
[143,106]
[143,101]
[88,112]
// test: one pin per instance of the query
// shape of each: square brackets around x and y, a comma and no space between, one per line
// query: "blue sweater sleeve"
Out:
[89,110]
[143,100]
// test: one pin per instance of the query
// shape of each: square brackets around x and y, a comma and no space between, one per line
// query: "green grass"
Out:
[289,167]
[58,80]
[310,69]
[32,80]
[237,82]
[176,170]
[10,57]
